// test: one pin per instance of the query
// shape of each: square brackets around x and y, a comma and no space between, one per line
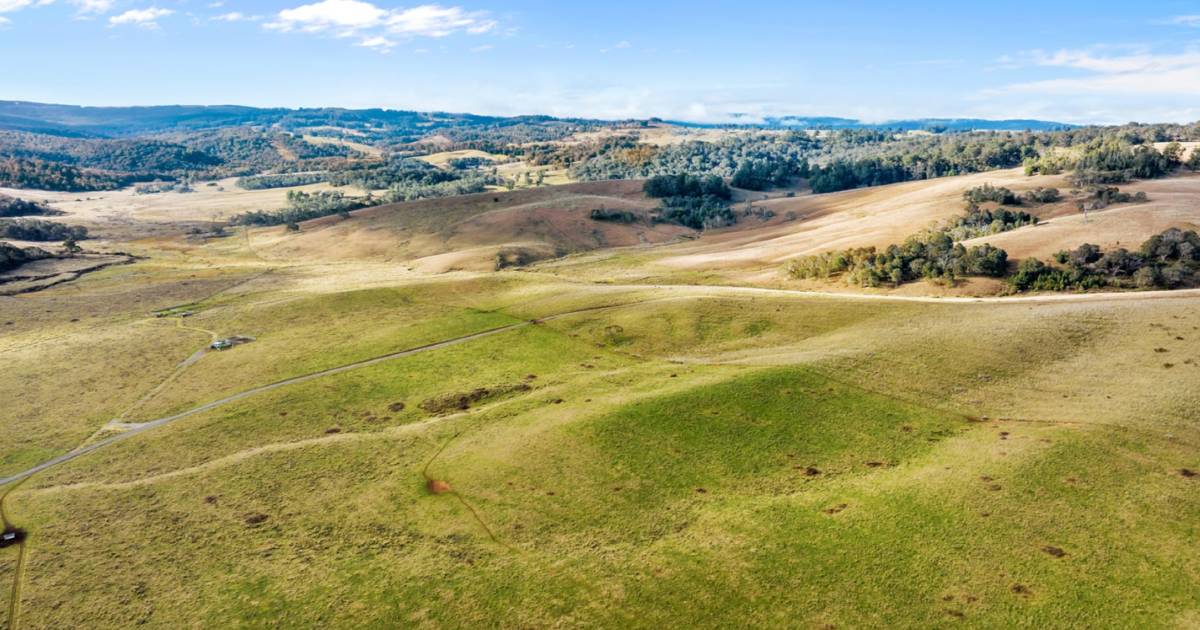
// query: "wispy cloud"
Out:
[1184,20]
[375,26]
[621,45]
[145,18]
[8,6]
[378,43]
[1128,74]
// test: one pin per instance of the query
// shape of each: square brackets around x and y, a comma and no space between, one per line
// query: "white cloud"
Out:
[4,21]
[483,48]
[145,18]
[341,15]
[236,16]
[93,6]
[371,23]
[431,20]
[84,6]
[622,44]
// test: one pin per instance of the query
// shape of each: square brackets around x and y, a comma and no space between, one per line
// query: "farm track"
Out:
[682,291]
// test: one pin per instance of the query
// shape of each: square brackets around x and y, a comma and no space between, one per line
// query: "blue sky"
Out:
[1104,62]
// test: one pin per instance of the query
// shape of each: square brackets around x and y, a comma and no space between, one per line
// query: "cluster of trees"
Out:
[15,207]
[614,216]
[764,175]
[282,180]
[932,255]
[707,212]
[413,190]
[383,175]
[988,192]
[700,203]
[1041,195]
[1100,197]
[303,206]
[12,256]
[982,222]
[686,185]
[468,163]
[1168,260]
[39,230]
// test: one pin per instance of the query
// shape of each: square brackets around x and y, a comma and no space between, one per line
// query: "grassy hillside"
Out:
[706,455]
[469,232]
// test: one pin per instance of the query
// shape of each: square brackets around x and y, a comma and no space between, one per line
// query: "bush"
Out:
[1041,195]
[616,216]
[987,192]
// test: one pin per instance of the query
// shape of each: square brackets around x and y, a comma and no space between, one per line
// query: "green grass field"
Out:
[672,456]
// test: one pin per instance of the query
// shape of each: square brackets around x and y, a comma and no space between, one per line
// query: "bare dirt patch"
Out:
[1056,552]
[256,518]
[461,401]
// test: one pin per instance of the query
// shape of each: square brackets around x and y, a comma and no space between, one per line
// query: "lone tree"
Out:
[72,246]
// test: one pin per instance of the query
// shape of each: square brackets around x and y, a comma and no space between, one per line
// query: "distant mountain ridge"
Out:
[915,124]
[83,121]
